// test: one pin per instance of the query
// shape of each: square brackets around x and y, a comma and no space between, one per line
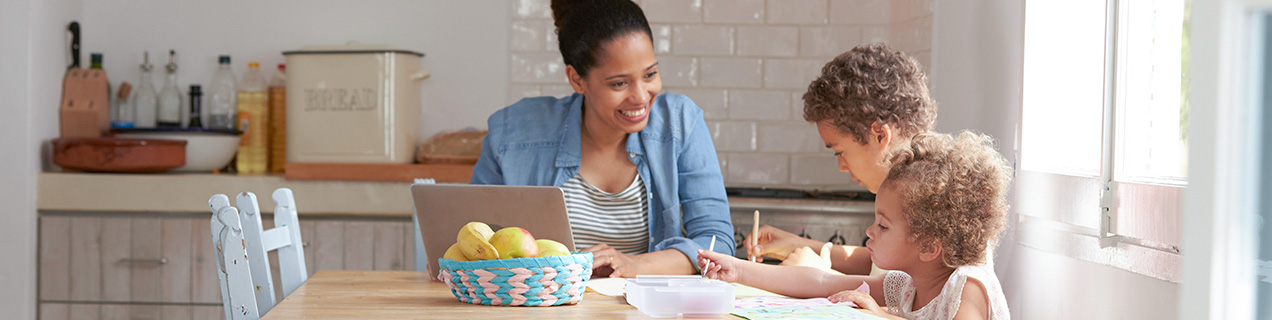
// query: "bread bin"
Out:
[353,104]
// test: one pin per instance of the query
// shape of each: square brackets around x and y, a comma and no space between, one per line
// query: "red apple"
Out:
[514,242]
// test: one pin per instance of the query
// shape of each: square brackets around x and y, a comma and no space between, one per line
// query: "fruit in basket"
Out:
[474,241]
[514,242]
[549,247]
[454,253]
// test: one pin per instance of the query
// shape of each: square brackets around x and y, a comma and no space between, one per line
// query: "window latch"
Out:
[1108,215]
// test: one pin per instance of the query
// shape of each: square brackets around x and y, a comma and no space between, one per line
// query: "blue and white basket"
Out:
[541,282]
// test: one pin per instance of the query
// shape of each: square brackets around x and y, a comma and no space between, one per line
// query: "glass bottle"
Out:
[170,97]
[196,106]
[253,152]
[145,101]
[278,120]
[222,97]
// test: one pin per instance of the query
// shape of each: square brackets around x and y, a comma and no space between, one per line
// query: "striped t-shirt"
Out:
[620,220]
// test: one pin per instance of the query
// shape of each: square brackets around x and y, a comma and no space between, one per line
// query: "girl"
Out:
[937,213]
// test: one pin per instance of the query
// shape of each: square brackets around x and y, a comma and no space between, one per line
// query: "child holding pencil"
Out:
[937,213]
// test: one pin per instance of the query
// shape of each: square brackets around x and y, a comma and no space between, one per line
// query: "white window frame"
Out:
[1137,220]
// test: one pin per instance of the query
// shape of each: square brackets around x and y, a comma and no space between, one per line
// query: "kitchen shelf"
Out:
[101,192]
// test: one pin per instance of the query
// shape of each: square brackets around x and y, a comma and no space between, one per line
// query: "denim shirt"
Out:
[538,141]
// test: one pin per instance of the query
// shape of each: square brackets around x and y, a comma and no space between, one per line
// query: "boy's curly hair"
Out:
[871,83]
[953,191]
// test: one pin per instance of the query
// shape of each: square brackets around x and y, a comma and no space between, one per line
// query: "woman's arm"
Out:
[704,206]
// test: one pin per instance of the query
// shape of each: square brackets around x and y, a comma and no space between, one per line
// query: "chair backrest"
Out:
[284,237]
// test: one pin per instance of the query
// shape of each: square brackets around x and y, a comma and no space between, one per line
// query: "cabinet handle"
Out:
[135,260]
[304,244]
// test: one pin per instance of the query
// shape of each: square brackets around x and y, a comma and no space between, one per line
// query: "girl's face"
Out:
[889,244]
[621,87]
[863,162]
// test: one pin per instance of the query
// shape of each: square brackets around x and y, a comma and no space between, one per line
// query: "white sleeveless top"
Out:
[619,219]
[898,292]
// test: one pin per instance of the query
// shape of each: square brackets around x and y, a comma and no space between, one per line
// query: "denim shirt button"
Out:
[631,154]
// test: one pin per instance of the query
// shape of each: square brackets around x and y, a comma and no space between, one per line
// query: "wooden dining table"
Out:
[332,294]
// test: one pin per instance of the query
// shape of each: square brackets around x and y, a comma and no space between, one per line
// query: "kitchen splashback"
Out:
[746,63]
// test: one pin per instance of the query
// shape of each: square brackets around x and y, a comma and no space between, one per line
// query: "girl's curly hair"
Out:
[871,83]
[953,191]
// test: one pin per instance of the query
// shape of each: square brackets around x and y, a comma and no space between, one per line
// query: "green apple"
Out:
[548,248]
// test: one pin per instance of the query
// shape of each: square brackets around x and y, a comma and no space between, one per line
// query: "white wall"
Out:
[31,32]
[976,78]
[464,42]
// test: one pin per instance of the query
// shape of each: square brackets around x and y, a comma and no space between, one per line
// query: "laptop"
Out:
[442,209]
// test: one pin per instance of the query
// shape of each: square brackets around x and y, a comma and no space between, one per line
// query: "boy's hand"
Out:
[804,256]
[775,243]
[719,266]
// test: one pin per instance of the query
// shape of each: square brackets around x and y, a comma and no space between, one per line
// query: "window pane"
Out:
[1064,78]
[1152,136]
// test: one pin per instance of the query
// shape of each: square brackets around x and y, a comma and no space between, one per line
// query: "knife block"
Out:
[85,108]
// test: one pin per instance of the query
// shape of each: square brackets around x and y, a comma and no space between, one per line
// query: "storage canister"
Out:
[353,104]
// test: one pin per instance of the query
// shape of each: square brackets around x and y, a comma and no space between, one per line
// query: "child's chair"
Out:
[247,288]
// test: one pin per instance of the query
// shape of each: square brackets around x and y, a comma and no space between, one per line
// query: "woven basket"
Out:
[541,282]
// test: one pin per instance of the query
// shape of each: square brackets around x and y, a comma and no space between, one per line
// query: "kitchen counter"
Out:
[99,192]
[60,191]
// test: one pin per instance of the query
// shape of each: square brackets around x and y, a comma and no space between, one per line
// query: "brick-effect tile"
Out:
[758,105]
[753,168]
[677,11]
[733,135]
[702,40]
[789,137]
[733,11]
[768,41]
[860,12]
[731,73]
[797,11]
[828,42]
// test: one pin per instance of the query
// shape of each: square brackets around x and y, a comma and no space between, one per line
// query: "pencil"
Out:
[755,236]
[711,248]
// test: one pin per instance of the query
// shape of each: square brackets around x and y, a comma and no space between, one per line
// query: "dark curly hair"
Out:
[953,191]
[871,83]
[582,26]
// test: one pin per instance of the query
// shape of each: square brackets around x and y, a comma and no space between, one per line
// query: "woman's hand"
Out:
[775,243]
[804,256]
[608,262]
[719,266]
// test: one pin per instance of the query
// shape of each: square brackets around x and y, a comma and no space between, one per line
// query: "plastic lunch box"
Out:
[679,296]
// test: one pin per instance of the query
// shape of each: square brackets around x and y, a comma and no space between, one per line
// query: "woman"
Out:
[639,171]
[867,102]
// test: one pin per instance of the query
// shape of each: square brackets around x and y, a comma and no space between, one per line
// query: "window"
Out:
[1104,130]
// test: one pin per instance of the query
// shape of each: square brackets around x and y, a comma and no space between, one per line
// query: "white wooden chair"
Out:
[247,288]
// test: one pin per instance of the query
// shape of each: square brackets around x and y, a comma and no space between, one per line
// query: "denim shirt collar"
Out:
[569,154]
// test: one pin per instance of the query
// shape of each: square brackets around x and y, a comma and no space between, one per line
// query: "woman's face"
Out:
[889,237]
[622,85]
[863,162]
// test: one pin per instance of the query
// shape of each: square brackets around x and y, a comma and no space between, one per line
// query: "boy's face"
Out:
[889,244]
[863,162]
[621,87]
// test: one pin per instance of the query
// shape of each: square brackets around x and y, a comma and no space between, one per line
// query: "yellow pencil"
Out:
[755,236]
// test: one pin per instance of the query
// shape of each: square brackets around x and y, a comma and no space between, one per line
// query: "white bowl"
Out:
[206,150]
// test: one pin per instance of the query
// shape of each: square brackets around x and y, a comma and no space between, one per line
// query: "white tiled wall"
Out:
[746,63]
